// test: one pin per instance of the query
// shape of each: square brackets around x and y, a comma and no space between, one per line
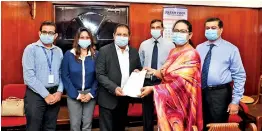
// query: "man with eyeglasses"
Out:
[153,53]
[41,71]
[221,64]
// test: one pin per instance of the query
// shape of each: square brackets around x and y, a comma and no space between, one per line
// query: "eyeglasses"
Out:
[212,27]
[47,32]
[158,27]
[119,34]
[181,31]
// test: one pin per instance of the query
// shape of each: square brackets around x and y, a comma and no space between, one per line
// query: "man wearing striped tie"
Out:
[221,64]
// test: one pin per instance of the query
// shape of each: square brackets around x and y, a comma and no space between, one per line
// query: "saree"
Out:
[178,98]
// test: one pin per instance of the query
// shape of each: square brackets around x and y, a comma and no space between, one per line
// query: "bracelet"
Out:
[151,76]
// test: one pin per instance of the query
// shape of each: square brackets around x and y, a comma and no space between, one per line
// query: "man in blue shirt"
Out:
[41,71]
[221,64]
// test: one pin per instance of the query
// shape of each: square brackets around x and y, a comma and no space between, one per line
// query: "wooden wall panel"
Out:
[240,28]
[19,30]
[140,18]
[260,37]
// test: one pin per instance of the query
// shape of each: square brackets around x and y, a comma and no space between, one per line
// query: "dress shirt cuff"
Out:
[60,88]
[44,94]
[235,101]
[113,91]
[78,97]
[90,95]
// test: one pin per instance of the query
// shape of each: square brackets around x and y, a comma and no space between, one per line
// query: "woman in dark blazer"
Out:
[79,80]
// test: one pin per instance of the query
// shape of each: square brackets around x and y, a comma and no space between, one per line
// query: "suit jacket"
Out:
[108,74]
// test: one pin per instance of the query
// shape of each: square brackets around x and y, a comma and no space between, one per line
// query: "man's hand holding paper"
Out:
[134,84]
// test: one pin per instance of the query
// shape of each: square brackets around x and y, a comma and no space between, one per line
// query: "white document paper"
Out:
[134,84]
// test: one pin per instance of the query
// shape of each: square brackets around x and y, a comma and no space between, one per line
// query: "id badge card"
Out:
[51,79]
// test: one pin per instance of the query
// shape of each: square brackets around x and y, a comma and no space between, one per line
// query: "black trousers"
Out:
[148,107]
[215,104]
[114,119]
[39,115]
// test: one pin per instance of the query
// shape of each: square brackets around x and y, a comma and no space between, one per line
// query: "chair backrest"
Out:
[15,90]
[223,127]
[230,127]
[259,90]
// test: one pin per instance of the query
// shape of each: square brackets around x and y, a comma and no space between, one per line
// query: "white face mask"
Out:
[211,34]
[47,39]
[121,41]
[156,33]
[179,38]
[84,43]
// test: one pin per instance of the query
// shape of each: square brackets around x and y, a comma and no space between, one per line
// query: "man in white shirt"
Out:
[115,63]
[153,53]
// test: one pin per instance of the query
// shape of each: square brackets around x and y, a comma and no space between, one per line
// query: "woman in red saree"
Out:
[178,98]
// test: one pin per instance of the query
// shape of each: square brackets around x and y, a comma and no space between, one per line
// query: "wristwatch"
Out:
[148,76]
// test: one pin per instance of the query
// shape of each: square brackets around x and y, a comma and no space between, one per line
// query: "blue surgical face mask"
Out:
[211,34]
[156,33]
[47,39]
[84,43]
[179,38]
[121,41]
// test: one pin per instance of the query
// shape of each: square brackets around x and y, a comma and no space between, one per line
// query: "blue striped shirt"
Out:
[225,66]
[36,70]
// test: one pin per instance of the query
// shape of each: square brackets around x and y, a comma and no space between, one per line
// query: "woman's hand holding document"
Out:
[134,84]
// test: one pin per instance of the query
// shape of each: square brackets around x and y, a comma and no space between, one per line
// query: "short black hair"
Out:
[49,23]
[122,25]
[189,25]
[156,20]
[220,22]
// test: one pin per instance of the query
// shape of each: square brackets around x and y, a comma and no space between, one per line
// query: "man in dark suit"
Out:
[114,65]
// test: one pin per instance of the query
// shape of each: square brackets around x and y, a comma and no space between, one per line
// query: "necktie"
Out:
[154,56]
[205,67]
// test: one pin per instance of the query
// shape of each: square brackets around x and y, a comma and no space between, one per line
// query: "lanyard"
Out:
[48,60]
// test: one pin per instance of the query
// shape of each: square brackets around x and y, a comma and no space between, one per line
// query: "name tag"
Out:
[51,79]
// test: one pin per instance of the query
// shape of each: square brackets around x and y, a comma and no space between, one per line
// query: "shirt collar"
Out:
[159,40]
[118,48]
[216,43]
[39,43]
[74,52]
